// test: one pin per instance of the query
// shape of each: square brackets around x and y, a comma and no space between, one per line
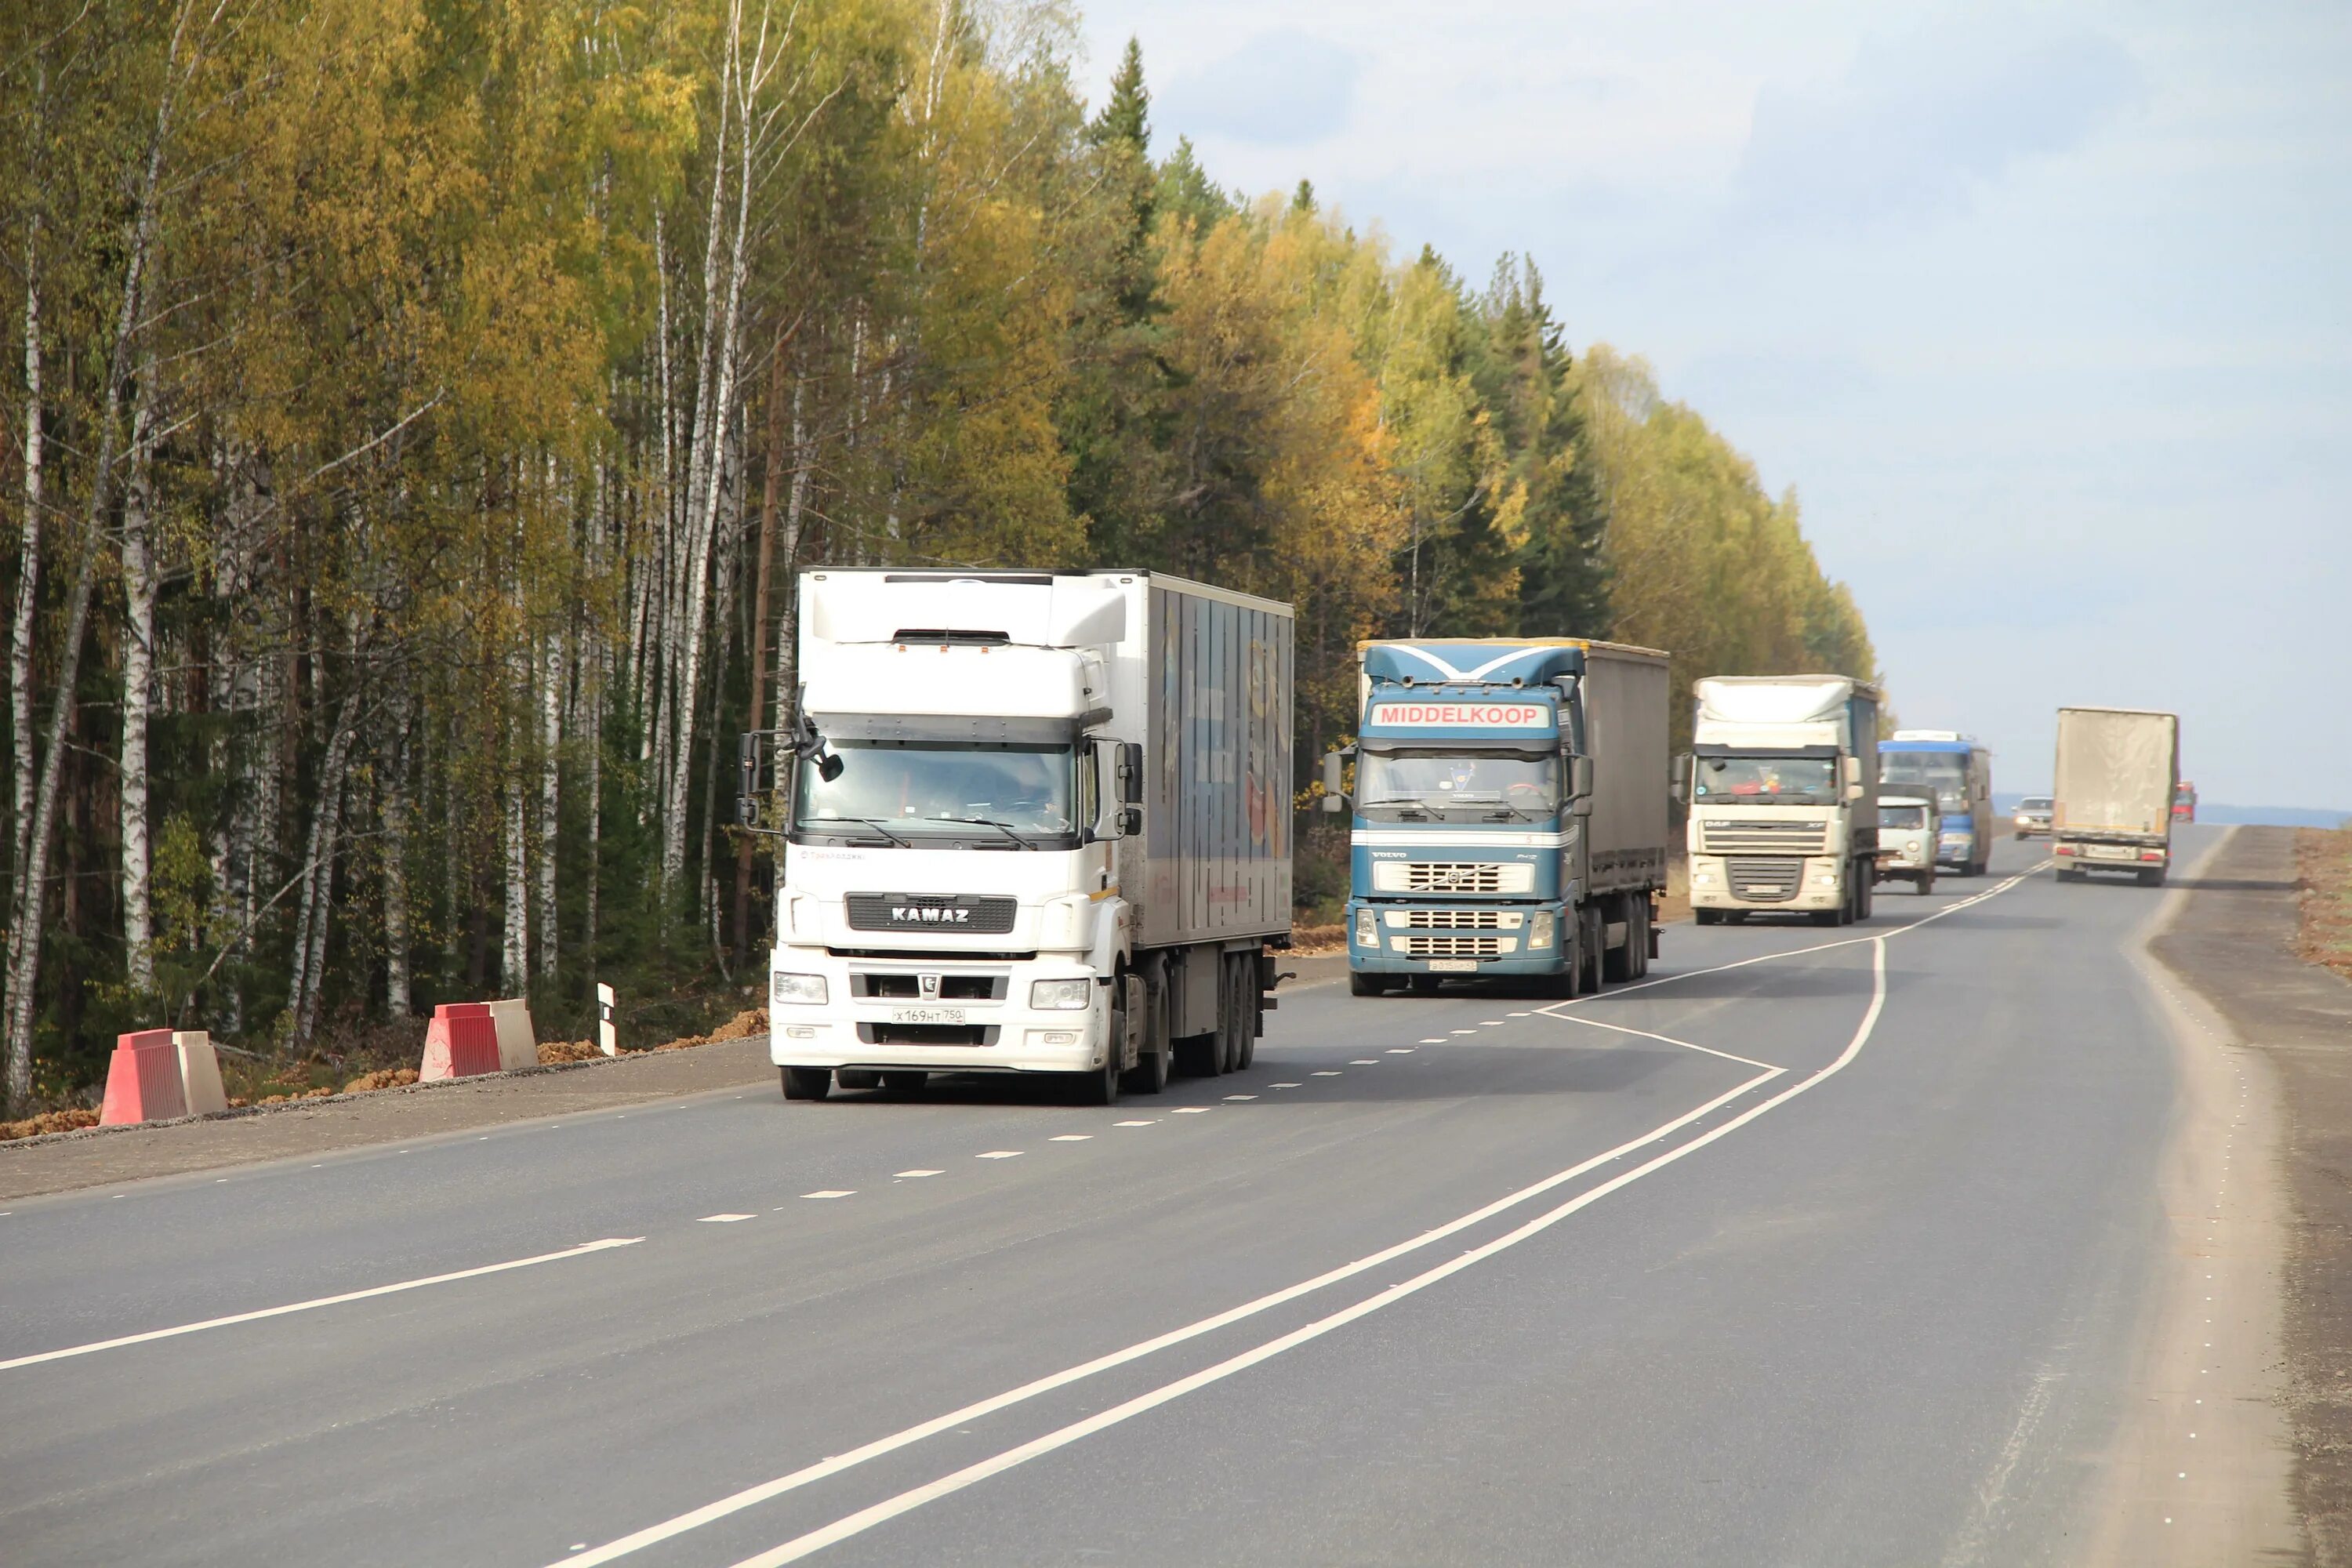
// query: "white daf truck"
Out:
[1782,783]
[1034,823]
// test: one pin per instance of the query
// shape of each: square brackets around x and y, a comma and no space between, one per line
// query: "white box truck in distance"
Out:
[2111,808]
[1038,823]
[1783,792]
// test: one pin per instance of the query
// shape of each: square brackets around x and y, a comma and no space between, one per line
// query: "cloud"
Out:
[1919,123]
[1282,89]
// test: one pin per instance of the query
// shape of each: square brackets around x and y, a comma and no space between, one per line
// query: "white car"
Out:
[1908,828]
[2033,816]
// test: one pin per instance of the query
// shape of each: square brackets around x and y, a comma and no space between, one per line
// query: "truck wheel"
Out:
[1363,985]
[1926,884]
[1595,956]
[1099,1086]
[2152,879]
[1156,1058]
[807,1083]
[1866,893]
[1708,917]
[1640,933]
[1237,1012]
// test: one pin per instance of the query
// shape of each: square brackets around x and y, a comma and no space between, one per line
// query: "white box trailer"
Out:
[2111,804]
[1039,822]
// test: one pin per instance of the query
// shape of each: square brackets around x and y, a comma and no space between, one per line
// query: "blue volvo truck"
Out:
[1509,815]
[1958,770]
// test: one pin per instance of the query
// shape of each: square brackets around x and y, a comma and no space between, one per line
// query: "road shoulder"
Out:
[2277,1034]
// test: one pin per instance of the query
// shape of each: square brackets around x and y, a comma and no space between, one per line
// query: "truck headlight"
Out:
[1368,932]
[1540,929]
[1911,847]
[1059,996]
[797,990]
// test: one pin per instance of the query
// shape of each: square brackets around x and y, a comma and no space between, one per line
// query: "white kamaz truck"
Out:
[1034,823]
[1782,783]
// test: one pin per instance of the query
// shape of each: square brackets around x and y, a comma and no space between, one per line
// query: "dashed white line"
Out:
[1146,1122]
[1282,1085]
[1015,1153]
[723,1218]
[1058,1137]
[1407,1050]
[1326,1072]
[1190,1111]
[1435,1040]
[833,1192]
[910,1175]
[1241,1097]
[1365,1062]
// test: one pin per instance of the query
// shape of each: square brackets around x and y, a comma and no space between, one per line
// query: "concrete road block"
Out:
[461,1041]
[200,1079]
[142,1081]
[517,1044]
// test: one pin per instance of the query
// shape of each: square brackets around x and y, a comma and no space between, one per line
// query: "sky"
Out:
[2046,311]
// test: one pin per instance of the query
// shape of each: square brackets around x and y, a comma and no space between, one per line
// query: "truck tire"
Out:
[1643,915]
[807,1083]
[1617,962]
[908,1081]
[1155,1059]
[1826,917]
[1593,976]
[1363,985]
[1707,917]
[1866,891]
[1099,1086]
[1238,1011]
[2152,879]
[1924,884]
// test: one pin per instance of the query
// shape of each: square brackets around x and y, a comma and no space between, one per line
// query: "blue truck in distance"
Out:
[1510,815]
[1957,770]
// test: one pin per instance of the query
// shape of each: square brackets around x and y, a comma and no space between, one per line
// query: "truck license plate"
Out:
[1454,966]
[927,1014]
[2112,851]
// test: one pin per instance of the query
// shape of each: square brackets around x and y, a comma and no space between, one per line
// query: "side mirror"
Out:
[1130,821]
[1580,783]
[1853,769]
[1335,792]
[828,767]
[1680,788]
[1131,773]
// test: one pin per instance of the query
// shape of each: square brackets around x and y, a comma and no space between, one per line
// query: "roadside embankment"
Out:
[2238,943]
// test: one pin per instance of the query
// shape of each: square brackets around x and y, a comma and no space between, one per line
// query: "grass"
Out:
[2324,859]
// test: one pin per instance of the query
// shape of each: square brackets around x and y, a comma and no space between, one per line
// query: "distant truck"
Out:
[1035,823]
[1782,783]
[2118,769]
[2184,803]
[1958,769]
[1510,819]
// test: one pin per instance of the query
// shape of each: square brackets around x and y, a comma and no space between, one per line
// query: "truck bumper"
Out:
[2096,855]
[1004,1034]
[1396,948]
[1820,884]
[1956,851]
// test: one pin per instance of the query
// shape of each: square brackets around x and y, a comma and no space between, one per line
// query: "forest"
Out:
[418,411]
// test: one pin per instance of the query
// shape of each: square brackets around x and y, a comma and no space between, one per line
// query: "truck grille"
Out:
[931,913]
[1453,877]
[876,985]
[1456,946]
[1772,880]
[1455,919]
[1720,837]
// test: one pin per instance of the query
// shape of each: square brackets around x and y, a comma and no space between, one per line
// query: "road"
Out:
[1824,1247]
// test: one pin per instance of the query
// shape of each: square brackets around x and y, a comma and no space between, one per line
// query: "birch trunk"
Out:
[318,889]
[395,854]
[25,926]
[28,568]
[515,957]
[138,686]
[550,737]
[740,925]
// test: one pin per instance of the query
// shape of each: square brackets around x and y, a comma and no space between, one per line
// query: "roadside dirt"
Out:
[2235,944]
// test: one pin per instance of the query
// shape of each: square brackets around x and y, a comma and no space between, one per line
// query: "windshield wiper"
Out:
[819,824]
[1004,827]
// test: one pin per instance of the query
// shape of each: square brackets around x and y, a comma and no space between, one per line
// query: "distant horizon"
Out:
[2223,814]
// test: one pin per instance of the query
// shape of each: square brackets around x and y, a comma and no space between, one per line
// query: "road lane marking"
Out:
[1146,1122]
[1241,1097]
[909,1176]
[1365,1062]
[1192,1110]
[1058,1137]
[1326,1072]
[1664,1039]
[581,1251]
[833,1192]
[1407,1050]
[866,1519]
[751,1496]
[723,1218]
[1015,1153]
[1433,1040]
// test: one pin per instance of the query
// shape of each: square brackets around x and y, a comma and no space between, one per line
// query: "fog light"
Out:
[1367,930]
[799,1032]
[1540,929]
[1059,996]
[1825,879]
[1704,878]
[1056,1038]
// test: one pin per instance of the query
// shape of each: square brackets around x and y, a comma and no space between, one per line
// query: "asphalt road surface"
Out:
[1823,1247]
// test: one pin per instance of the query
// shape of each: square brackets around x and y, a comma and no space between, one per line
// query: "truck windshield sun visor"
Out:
[951,729]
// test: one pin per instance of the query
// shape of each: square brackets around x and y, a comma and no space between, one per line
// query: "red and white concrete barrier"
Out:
[465,1038]
[158,1073]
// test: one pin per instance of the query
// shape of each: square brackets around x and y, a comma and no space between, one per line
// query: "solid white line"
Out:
[1662,1039]
[841,1530]
[751,1495]
[581,1250]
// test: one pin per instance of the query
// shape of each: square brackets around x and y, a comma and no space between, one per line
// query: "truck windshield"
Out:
[1946,773]
[1902,816]
[1767,781]
[1469,787]
[939,788]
